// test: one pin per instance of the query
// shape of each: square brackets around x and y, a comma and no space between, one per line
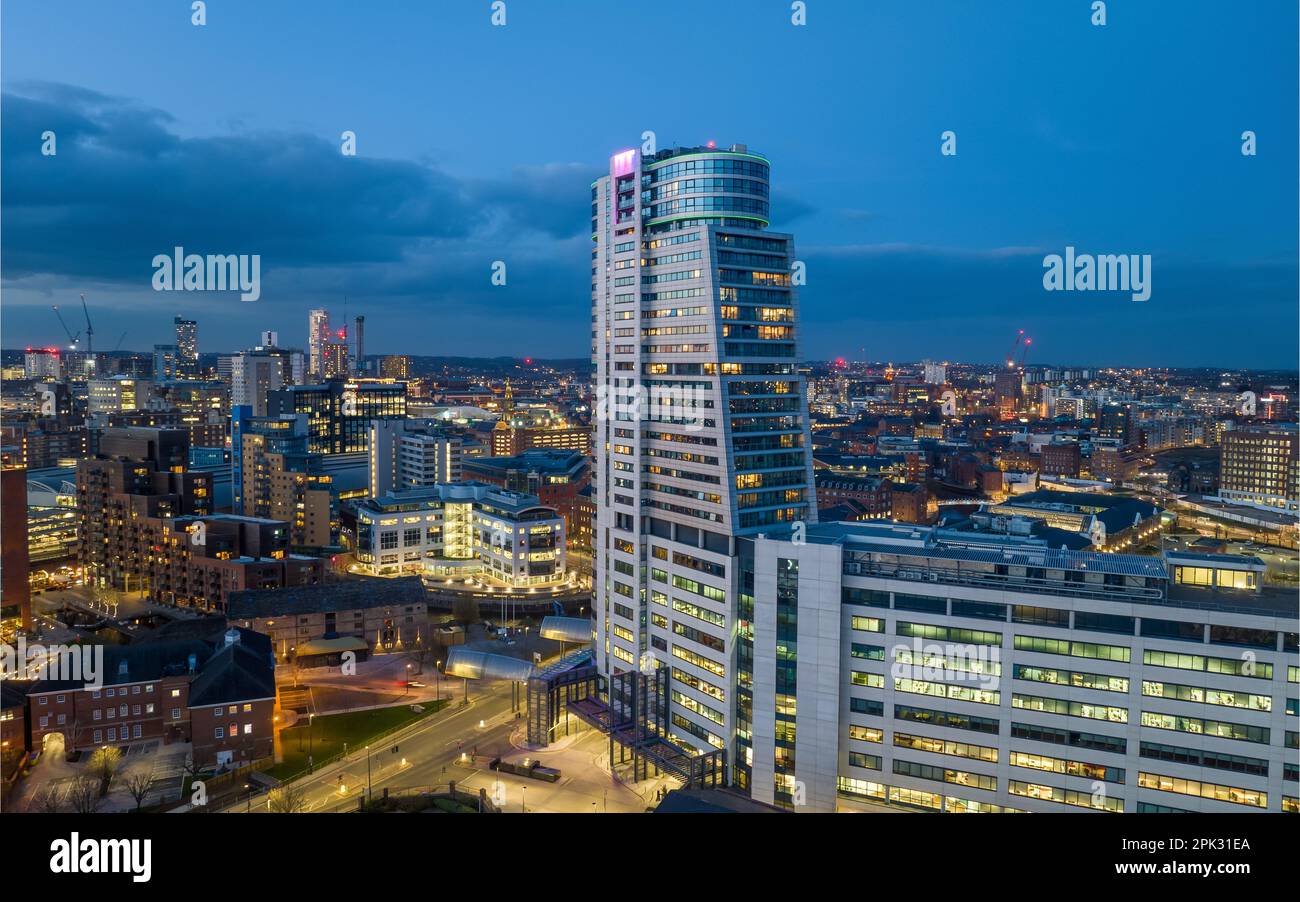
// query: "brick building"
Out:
[387,614]
[216,692]
[872,493]
[1060,459]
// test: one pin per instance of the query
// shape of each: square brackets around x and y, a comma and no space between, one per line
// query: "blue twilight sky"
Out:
[478,143]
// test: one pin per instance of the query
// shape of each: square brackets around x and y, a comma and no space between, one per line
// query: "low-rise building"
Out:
[467,529]
[218,693]
[386,614]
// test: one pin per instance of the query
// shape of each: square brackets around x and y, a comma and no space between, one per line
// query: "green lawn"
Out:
[329,732]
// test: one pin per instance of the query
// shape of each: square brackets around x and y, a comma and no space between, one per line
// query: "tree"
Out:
[289,798]
[84,793]
[139,784]
[49,799]
[104,762]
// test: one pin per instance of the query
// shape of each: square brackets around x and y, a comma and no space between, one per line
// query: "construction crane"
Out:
[90,330]
[1024,349]
[1011,355]
[72,339]
[117,346]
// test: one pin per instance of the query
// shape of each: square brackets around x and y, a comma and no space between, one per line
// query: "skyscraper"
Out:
[702,429]
[318,332]
[187,347]
[359,347]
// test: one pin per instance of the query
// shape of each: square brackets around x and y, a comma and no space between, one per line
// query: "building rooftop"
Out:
[452,492]
[235,672]
[345,595]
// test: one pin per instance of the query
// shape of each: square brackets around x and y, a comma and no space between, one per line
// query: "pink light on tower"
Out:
[623,162]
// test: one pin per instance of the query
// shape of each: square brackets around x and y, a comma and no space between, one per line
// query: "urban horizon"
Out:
[731,558]
[904,257]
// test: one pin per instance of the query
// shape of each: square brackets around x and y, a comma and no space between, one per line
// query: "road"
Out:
[431,750]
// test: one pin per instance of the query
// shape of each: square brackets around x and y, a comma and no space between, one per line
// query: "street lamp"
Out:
[408,680]
[523,799]
[311,735]
[369,792]
[437,679]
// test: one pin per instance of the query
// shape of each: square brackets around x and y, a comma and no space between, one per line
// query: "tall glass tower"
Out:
[702,424]
[187,346]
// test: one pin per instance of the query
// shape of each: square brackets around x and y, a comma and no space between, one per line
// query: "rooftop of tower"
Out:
[670,152]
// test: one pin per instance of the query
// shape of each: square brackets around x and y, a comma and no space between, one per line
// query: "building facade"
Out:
[467,529]
[218,694]
[701,432]
[1260,466]
[339,411]
[276,477]
[413,453]
[935,671]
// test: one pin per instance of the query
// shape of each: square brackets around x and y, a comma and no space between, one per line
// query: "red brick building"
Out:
[912,503]
[872,493]
[1060,459]
[218,693]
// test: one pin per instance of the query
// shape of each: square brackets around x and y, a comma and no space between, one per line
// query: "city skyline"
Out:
[904,258]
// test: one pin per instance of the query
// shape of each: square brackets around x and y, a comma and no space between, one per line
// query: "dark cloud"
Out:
[123,187]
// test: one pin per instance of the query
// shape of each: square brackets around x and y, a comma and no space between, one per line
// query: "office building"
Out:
[466,529]
[117,394]
[944,672]
[934,373]
[559,479]
[253,375]
[339,412]
[166,363]
[413,453]
[1259,466]
[695,315]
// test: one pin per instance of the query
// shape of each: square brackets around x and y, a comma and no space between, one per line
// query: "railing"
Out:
[1005,583]
[1129,594]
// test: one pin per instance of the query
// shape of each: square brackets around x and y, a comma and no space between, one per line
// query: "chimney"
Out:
[192,662]
[123,669]
[360,335]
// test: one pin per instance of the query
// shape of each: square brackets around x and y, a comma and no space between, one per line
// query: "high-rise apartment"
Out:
[702,429]
[318,333]
[187,347]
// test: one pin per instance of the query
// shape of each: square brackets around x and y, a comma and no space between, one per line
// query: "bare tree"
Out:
[48,800]
[289,798]
[83,794]
[139,784]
